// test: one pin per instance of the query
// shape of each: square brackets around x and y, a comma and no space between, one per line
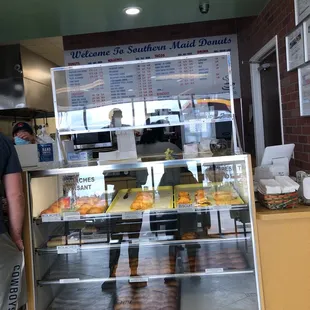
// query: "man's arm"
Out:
[16,206]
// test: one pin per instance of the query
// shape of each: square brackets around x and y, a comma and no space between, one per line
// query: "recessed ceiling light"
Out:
[133,10]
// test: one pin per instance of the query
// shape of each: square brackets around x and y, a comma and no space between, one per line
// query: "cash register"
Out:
[275,162]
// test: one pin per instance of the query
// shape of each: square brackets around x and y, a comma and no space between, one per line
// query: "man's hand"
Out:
[18,242]
[26,136]
[15,197]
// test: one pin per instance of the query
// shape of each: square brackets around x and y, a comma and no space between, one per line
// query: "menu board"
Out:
[304,90]
[142,80]
[302,10]
[295,51]
[157,80]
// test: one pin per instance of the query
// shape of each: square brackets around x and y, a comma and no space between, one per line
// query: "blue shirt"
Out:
[9,163]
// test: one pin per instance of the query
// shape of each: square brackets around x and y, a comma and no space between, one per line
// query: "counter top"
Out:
[300,212]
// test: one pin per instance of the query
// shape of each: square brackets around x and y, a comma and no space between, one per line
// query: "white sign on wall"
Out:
[306,25]
[304,90]
[302,10]
[295,50]
[160,50]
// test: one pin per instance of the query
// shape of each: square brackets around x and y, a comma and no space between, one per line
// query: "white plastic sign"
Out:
[51,217]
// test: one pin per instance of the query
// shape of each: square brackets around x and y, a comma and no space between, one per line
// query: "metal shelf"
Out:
[151,262]
[111,129]
[143,242]
[136,215]
[67,169]
[150,277]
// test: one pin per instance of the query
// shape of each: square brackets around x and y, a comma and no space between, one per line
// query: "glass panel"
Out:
[165,225]
[227,292]
[172,91]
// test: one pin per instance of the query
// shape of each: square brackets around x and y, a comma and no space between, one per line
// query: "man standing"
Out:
[12,294]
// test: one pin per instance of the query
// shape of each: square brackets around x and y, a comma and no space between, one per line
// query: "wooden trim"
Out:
[28,249]
[300,212]
[256,238]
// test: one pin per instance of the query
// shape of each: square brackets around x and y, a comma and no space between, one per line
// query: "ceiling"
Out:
[29,19]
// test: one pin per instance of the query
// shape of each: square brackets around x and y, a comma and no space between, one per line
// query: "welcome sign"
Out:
[159,50]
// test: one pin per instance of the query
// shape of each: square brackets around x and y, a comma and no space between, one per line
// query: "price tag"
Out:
[186,207]
[67,249]
[138,280]
[51,218]
[214,270]
[132,215]
[63,281]
[143,239]
[71,216]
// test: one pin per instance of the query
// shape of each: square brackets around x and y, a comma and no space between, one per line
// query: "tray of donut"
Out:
[198,196]
[153,295]
[136,199]
[87,206]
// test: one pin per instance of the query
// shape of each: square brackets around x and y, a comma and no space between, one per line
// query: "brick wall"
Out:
[277,18]
[153,34]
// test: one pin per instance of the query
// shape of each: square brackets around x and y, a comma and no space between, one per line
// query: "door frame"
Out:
[257,103]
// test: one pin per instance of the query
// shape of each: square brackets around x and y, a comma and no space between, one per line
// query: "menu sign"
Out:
[295,51]
[160,79]
[302,10]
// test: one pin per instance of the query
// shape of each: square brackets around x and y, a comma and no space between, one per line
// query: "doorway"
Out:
[266,98]
[270,100]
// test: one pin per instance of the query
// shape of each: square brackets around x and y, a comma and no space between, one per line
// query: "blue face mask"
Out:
[19,141]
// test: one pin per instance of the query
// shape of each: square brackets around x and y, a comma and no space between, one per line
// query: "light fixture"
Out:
[133,10]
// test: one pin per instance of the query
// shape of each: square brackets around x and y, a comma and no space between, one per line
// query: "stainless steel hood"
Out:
[25,82]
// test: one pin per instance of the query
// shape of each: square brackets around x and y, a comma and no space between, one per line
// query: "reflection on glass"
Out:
[158,174]
[168,88]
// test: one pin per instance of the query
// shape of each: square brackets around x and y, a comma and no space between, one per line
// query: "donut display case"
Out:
[159,231]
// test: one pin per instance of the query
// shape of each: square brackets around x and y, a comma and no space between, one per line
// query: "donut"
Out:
[95,210]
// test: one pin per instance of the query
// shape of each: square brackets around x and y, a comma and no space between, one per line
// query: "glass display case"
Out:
[190,96]
[182,234]
[171,228]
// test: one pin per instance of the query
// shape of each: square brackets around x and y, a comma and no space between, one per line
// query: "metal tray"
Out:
[163,199]
[192,188]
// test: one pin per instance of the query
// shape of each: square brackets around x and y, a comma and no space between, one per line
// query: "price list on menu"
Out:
[144,74]
[165,82]
[122,82]
[98,86]
[96,79]
[187,72]
[75,80]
